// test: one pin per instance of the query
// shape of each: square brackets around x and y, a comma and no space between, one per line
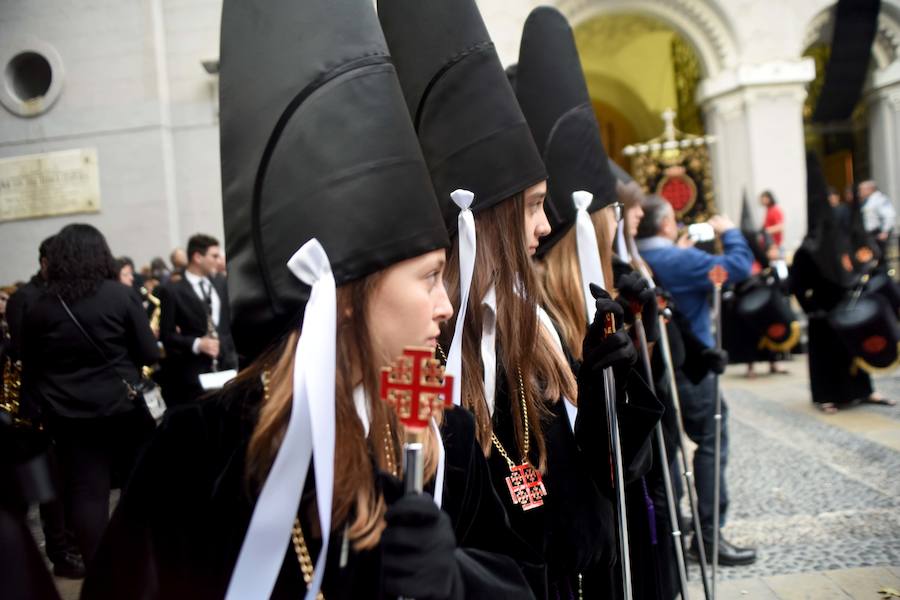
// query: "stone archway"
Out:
[699,22]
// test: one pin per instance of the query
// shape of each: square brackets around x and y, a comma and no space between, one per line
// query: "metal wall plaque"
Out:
[49,184]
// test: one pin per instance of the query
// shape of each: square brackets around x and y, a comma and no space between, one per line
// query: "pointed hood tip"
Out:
[471,129]
[340,73]
[553,94]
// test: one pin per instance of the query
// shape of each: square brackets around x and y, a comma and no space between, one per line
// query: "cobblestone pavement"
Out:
[812,492]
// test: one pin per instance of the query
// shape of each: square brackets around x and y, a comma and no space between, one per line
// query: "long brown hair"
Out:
[502,260]
[355,497]
[561,279]
[631,195]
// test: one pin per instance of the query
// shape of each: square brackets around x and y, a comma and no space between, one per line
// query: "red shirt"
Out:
[774,217]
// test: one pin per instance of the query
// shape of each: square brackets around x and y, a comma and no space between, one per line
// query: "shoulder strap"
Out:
[87,336]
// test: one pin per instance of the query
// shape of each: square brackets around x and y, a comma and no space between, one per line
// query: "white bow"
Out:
[310,434]
[588,251]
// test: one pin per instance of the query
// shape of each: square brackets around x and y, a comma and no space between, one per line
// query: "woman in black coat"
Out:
[97,427]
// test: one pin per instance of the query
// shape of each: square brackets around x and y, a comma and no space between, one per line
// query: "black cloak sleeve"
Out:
[179,525]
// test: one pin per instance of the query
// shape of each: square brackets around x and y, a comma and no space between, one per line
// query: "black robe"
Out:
[179,525]
[653,568]
[575,529]
[830,376]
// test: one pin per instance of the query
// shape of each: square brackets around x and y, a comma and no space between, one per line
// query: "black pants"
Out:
[698,409]
[95,455]
[58,538]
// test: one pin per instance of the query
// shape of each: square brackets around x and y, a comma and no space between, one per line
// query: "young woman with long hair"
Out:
[285,483]
[492,182]
[578,252]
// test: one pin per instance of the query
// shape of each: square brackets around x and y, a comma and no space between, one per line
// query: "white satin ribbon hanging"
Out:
[588,251]
[547,322]
[439,474]
[621,245]
[489,346]
[467,251]
[310,435]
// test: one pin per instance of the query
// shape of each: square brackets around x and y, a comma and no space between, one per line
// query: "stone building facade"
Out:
[128,79]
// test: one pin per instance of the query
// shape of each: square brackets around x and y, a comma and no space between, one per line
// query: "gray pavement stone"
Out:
[809,494]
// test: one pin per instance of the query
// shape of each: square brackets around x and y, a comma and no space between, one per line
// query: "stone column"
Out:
[884,130]
[756,111]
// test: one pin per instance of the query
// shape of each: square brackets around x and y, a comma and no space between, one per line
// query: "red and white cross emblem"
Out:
[416,388]
[718,275]
[526,487]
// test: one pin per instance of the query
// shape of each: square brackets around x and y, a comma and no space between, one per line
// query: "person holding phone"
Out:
[684,271]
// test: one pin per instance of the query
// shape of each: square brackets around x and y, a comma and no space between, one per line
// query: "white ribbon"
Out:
[310,434]
[547,322]
[588,251]
[467,250]
[621,244]
[439,475]
[489,346]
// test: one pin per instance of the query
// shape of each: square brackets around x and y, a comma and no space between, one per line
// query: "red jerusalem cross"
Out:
[718,275]
[416,388]
[526,486]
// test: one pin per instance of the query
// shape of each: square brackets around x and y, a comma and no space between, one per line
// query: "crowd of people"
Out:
[77,334]
[464,213]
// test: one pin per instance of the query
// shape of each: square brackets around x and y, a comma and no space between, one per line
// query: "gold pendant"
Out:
[526,487]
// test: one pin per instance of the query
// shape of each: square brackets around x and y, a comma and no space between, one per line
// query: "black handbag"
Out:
[144,393]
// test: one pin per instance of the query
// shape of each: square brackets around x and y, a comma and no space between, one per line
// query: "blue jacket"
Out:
[684,272]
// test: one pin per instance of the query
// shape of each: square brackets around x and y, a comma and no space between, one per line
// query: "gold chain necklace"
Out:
[299,542]
[303,557]
[525,484]
[389,450]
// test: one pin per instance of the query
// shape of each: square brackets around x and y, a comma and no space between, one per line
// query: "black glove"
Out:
[418,550]
[635,291]
[715,360]
[601,349]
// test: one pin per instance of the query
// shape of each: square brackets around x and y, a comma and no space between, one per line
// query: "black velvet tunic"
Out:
[830,376]
[575,529]
[178,528]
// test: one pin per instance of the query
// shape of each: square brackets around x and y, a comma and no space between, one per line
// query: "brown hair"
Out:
[561,279]
[502,260]
[631,195]
[355,497]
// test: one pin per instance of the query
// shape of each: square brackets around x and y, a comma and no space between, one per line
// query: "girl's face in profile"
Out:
[408,305]
[536,223]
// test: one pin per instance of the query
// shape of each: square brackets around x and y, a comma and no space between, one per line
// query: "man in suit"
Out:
[195,326]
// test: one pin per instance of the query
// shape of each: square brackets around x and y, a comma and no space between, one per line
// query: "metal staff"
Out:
[717,275]
[677,538]
[686,473]
[417,389]
[612,418]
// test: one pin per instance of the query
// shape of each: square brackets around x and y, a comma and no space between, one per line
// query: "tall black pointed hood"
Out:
[469,124]
[618,172]
[553,95]
[316,142]
[758,240]
[748,223]
[825,242]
